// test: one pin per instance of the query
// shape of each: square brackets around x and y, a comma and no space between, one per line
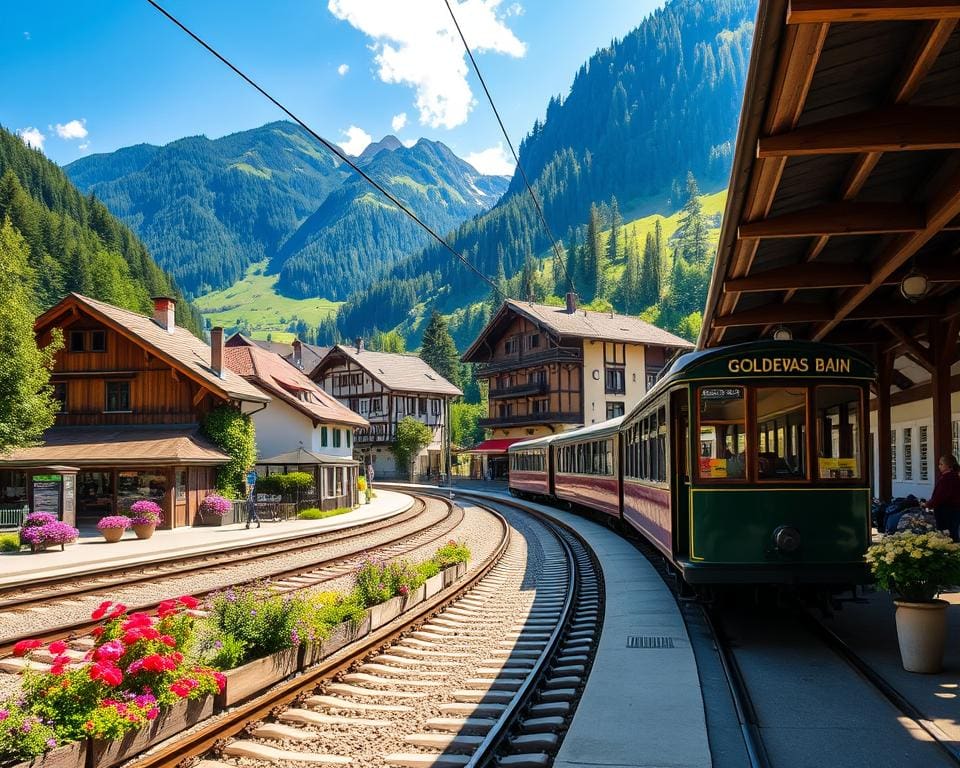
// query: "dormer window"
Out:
[98,341]
[77,341]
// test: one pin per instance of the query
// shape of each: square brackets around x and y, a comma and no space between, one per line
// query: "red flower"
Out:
[166,607]
[149,633]
[188,602]
[88,726]
[61,660]
[116,611]
[177,656]
[56,670]
[106,671]
[183,687]
[57,647]
[101,610]
[25,646]
[131,636]
[110,651]
[96,631]
[136,621]
[152,713]
[169,663]
[153,663]
[221,681]
[168,641]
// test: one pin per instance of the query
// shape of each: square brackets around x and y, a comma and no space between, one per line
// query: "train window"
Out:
[722,433]
[661,475]
[838,432]
[781,423]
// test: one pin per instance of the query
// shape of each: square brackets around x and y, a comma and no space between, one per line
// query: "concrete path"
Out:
[91,552]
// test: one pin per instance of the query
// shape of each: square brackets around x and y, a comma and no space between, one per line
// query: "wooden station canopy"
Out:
[846,178]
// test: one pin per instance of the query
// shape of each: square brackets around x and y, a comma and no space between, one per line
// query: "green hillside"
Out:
[254,306]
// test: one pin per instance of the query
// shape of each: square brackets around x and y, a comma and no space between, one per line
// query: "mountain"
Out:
[75,243]
[640,115]
[208,208]
[211,209]
[356,234]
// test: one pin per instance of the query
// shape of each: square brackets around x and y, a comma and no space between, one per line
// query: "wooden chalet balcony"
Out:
[524,419]
[519,360]
[520,390]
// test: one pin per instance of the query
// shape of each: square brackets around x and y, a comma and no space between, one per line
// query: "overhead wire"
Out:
[523,175]
[331,147]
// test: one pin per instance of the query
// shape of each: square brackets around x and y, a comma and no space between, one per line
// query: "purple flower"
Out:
[146,512]
[113,521]
[51,743]
[27,726]
[215,505]
[294,637]
[4,714]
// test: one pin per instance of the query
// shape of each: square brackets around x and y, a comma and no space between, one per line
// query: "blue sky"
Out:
[94,77]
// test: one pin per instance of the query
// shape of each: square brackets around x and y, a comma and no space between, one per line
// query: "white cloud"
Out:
[416,44]
[26,36]
[343,69]
[32,137]
[84,147]
[493,161]
[357,140]
[75,129]
[399,121]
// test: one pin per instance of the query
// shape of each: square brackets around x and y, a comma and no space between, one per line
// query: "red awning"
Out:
[496,446]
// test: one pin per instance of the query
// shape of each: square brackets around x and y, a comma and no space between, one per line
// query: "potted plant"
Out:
[916,567]
[362,489]
[213,509]
[41,530]
[145,516]
[113,526]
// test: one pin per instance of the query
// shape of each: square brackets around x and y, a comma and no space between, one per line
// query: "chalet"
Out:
[302,428]
[555,368]
[133,391]
[304,356]
[385,387]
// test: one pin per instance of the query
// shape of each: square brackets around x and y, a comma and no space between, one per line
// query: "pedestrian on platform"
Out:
[370,474]
[945,501]
[252,516]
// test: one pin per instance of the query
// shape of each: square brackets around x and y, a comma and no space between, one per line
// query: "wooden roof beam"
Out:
[800,276]
[943,207]
[831,11]
[844,218]
[889,129]
[795,312]
[919,352]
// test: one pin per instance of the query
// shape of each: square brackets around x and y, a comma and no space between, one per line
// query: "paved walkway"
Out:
[92,553]
[640,708]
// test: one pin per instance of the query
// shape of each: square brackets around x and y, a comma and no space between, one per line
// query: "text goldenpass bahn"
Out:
[789,365]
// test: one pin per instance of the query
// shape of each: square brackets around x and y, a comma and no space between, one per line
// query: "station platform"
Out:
[91,553]
[641,708]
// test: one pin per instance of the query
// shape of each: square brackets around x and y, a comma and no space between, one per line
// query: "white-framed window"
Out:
[908,453]
[893,454]
[922,445]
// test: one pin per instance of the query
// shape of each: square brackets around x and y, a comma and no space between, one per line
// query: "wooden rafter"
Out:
[942,208]
[831,11]
[890,129]
[814,275]
[920,353]
[796,312]
[199,395]
[844,218]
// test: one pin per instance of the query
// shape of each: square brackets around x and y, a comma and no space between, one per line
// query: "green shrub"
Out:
[233,433]
[319,514]
[451,553]
[287,485]
[326,610]
[9,542]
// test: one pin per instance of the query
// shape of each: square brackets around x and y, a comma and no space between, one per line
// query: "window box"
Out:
[246,680]
[73,755]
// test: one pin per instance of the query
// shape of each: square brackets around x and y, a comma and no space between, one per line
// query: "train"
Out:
[744,464]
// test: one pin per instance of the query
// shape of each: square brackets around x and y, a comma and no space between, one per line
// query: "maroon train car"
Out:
[646,481]
[530,471]
[586,464]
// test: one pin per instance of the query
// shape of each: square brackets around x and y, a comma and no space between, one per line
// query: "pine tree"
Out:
[594,261]
[439,351]
[658,261]
[27,406]
[691,235]
[631,285]
[649,284]
[616,222]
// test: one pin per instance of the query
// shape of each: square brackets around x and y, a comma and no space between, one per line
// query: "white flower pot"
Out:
[922,634]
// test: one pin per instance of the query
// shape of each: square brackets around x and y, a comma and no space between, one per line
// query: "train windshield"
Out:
[838,432]
[723,434]
[781,433]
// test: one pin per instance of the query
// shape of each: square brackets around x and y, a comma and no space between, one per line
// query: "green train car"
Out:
[748,464]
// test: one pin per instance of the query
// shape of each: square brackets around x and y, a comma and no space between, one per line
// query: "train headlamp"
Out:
[786,539]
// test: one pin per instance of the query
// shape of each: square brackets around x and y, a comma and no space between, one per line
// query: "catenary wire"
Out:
[523,175]
[333,148]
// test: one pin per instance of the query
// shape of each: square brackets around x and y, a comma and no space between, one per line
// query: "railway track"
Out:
[491,670]
[285,579]
[102,579]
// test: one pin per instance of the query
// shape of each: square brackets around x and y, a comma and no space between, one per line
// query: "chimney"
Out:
[359,343]
[298,353]
[216,350]
[571,302]
[164,313]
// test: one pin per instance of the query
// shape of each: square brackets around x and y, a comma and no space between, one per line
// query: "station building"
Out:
[133,391]
[301,428]
[551,369]
[385,387]
[843,215]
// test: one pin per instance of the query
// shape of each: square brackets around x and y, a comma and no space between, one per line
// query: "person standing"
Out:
[252,516]
[370,474]
[945,501]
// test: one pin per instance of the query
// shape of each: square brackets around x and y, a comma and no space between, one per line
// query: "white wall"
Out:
[282,428]
[914,416]
[595,399]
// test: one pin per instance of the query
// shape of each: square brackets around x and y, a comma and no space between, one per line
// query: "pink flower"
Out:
[57,647]
[25,646]
[168,641]
[109,651]
[152,713]
[188,602]
[154,663]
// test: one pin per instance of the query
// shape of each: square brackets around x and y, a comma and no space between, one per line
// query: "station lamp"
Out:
[782,333]
[914,285]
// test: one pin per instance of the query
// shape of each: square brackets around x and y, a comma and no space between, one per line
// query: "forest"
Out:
[74,242]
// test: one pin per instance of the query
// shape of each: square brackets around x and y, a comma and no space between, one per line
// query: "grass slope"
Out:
[254,300]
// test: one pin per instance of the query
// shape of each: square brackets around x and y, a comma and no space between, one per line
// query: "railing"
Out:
[12,515]
[556,355]
[551,417]
[519,390]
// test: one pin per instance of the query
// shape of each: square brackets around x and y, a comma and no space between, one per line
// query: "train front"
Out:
[779,487]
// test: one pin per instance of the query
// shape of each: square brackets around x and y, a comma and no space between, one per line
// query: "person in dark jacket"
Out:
[945,501]
[252,516]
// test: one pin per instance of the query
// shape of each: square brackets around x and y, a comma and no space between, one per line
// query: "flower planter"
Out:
[415,597]
[343,634]
[251,678]
[144,531]
[385,612]
[104,753]
[434,585]
[209,520]
[73,755]
[449,575]
[112,535]
[922,635]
